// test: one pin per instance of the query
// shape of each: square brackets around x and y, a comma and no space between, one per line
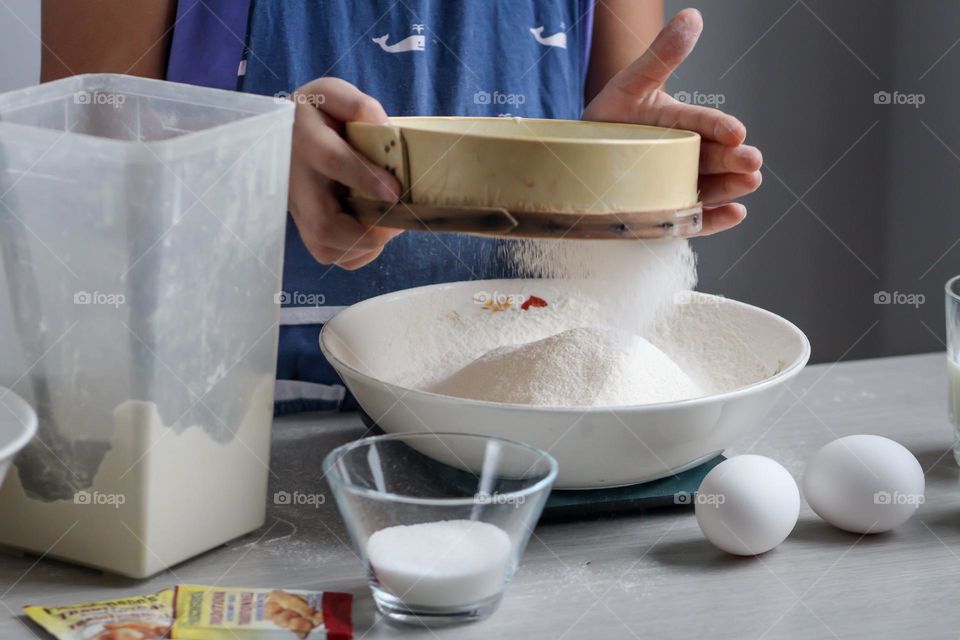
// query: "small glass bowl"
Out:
[440,519]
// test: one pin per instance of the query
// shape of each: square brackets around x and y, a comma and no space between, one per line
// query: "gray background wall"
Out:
[858,198]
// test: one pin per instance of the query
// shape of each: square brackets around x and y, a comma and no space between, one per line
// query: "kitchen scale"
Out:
[675,490]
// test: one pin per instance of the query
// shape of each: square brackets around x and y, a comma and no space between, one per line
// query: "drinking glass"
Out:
[953,359]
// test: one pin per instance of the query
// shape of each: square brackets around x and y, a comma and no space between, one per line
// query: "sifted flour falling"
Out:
[635,280]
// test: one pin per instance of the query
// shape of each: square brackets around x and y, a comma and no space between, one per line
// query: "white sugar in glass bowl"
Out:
[440,541]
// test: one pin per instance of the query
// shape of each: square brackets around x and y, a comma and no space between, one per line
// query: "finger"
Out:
[718,158]
[327,153]
[728,186]
[670,48]
[343,231]
[327,255]
[712,124]
[320,221]
[722,218]
[342,101]
[320,217]
[362,261]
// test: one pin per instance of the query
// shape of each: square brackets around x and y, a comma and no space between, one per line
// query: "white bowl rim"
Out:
[26,417]
[781,376]
[544,483]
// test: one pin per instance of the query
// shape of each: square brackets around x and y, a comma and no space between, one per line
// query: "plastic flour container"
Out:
[141,235]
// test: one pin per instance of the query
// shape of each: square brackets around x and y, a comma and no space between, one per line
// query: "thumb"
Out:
[670,48]
[342,101]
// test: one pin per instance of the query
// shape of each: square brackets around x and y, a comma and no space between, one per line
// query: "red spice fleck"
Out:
[533,301]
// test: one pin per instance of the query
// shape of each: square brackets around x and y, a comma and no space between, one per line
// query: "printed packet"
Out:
[135,618]
[215,613]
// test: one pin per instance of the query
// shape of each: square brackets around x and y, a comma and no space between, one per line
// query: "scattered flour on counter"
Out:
[577,367]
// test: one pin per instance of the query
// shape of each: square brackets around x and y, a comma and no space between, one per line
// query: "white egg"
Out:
[747,505]
[864,484]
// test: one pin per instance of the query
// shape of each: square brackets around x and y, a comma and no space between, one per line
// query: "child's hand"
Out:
[321,159]
[729,169]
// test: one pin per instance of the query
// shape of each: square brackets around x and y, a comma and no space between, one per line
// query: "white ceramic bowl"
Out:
[18,425]
[595,446]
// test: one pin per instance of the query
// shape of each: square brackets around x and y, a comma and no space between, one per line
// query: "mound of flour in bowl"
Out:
[577,367]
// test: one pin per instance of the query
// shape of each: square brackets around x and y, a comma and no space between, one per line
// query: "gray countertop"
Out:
[648,575]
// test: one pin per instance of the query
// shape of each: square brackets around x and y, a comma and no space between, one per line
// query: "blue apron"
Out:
[523,58]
